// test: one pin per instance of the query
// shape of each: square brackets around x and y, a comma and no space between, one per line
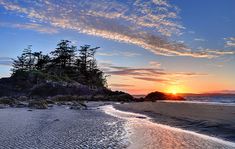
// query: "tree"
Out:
[86,63]
[19,64]
[41,60]
[23,62]
[64,64]
[28,57]
[63,56]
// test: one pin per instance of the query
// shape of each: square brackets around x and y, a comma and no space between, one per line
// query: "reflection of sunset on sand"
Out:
[146,134]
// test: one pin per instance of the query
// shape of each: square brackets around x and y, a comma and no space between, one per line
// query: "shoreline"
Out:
[144,133]
[105,125]
[209,119]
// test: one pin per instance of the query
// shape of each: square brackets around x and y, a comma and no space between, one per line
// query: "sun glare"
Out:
[174,90]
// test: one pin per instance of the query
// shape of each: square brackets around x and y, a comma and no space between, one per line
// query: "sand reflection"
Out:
[145,134]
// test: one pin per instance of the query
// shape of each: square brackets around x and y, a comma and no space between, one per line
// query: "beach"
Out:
[213,119]
[102,125]
[60,127]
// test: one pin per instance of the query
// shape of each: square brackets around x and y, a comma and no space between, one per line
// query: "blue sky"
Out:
[185,45]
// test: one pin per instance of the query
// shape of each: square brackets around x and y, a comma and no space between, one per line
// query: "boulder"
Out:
[78,106]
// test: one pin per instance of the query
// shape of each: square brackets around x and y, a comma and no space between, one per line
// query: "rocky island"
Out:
[65,74]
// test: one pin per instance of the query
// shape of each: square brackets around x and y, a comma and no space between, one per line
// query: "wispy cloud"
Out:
[153,79]
[199,39]
[230,42]
[151,74]
[115,53]
[120,85]
[5,61]
[31,26]
[147,24]
[155,64]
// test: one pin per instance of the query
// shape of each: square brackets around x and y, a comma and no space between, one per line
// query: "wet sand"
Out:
[101,126]
[212,119]
[149,135]
[60,127]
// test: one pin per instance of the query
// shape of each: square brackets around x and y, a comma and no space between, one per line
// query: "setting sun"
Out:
[174,90]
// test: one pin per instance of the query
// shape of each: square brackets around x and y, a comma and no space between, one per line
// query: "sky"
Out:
[185,46]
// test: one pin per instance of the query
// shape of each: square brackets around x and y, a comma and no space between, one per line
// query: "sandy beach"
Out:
[211,119]
[144,133]
[60,127]
[100,126]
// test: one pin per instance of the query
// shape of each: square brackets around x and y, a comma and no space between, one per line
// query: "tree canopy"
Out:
[66,62]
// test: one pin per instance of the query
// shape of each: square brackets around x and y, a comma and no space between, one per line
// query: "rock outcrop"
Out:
[154,96]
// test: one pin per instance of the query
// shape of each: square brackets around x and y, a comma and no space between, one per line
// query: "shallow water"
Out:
[60,128]
[145,134]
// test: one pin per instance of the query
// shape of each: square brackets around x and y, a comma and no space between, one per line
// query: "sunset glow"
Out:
[145,45]
[174,90]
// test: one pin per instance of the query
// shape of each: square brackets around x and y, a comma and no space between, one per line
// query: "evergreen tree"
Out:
[64,64]
[86,63]
[28,57]
[63,56]
[19,64]
[41,61]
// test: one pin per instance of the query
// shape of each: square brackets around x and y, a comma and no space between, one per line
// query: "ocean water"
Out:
[211,98]
[214,98]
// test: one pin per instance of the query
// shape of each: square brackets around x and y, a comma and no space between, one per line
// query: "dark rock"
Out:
[155,96]
[21,105]
[161,96]
[50,101]
[8,101]
[78,106]
[38,104]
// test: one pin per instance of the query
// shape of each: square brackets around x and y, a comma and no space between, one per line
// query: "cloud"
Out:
[199,39]
[155,64]
[129,54]
[125,54]
[151,74]
[230,42]
[152,79]
[106,54]
[120,85]
[147,24]
[32,26]
[5,61]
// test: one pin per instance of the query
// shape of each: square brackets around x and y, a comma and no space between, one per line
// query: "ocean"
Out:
[207,98]
[223,98]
